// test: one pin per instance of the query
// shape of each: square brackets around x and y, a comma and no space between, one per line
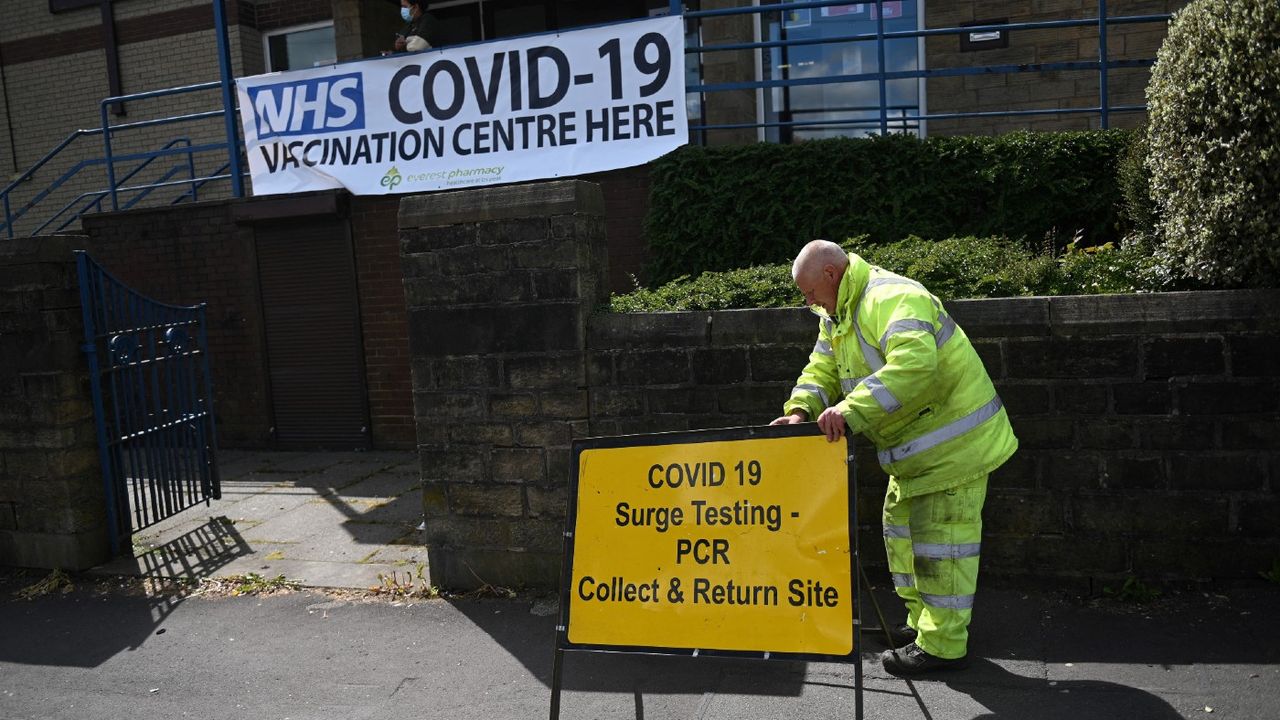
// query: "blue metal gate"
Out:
[152,399]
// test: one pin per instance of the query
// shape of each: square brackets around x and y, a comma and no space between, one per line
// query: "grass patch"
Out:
[247,584]
[407,585]
[55,582]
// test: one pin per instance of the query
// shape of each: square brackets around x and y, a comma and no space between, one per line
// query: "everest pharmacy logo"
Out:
[392,179]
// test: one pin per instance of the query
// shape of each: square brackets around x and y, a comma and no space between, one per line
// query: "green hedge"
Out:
[953,268]
[732,207]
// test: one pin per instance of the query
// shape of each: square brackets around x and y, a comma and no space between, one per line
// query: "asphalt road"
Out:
[101,652]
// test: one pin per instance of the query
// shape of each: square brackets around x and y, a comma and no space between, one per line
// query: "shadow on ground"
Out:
[1010,696]
[1039,655]
[530,639]
[196,554]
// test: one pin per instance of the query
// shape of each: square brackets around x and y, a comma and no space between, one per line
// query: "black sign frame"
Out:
[858,578]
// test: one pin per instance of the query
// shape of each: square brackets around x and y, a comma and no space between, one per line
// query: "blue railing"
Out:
[73,211]
[108,131]
[152,401]
[1103,65]
[11,216]
[116,185]
[96,204]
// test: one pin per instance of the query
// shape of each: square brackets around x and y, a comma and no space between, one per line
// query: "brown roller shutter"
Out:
[310,305]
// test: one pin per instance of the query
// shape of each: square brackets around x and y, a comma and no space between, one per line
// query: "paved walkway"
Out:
[322,519]
[340,519]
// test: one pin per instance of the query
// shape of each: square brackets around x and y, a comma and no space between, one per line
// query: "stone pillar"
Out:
[52,504]
[725,66]
[499,283]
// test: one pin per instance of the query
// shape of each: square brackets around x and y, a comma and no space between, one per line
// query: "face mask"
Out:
[404,14]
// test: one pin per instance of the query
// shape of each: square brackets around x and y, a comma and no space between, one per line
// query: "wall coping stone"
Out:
[1192,311]
[504,202]
[622,330]
[44,248]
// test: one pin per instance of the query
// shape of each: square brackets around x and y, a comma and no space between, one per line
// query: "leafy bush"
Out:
[1214,101]
[720,208]
[1139,209]
[965,267]
[757,287]
[952,268]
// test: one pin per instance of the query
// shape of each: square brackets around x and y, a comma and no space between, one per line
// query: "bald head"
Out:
[817,253]
[818,270]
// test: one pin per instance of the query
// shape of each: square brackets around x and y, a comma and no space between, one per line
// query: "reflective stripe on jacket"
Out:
[903,373]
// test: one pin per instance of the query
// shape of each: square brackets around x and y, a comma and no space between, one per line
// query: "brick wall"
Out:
[1148,423]
[276,14]
[51,497]
[1039,90]
[195,254]
[199,253]
[384,320]
[499,282]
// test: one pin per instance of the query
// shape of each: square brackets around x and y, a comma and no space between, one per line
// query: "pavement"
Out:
[321,519]
[101,652]
[105,648]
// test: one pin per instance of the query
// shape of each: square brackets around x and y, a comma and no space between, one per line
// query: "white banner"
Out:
[551,105]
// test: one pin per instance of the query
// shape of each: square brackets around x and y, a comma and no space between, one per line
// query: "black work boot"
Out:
[899,635]
[911,660]
[903,634]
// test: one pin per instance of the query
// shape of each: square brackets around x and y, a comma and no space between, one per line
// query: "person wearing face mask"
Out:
[419,30]
[891,364]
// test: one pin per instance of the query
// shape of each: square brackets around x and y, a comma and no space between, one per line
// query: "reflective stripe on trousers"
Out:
[933,543]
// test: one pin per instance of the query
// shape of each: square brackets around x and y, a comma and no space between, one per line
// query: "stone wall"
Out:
[51,496]
[1149,424]
[499,283]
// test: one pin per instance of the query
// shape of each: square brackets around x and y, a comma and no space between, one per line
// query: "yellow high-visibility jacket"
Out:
[901,371]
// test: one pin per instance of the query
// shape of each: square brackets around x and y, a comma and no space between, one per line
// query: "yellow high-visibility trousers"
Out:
[934,542]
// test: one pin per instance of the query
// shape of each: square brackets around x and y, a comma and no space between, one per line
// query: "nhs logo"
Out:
[307,107]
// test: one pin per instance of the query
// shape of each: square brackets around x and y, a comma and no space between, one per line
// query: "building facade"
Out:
[60,58]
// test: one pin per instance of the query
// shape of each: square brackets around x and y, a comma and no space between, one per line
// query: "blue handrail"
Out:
[1103,65]
[104,105]
[97,203]
[147,158]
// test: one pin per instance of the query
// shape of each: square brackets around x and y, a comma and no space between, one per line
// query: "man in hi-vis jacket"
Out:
[891,364]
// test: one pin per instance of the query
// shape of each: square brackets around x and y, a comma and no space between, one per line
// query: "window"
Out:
[841,108]
[300,47]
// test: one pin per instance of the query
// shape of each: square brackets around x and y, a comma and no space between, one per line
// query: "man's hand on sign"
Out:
[831,422]
[796,417]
